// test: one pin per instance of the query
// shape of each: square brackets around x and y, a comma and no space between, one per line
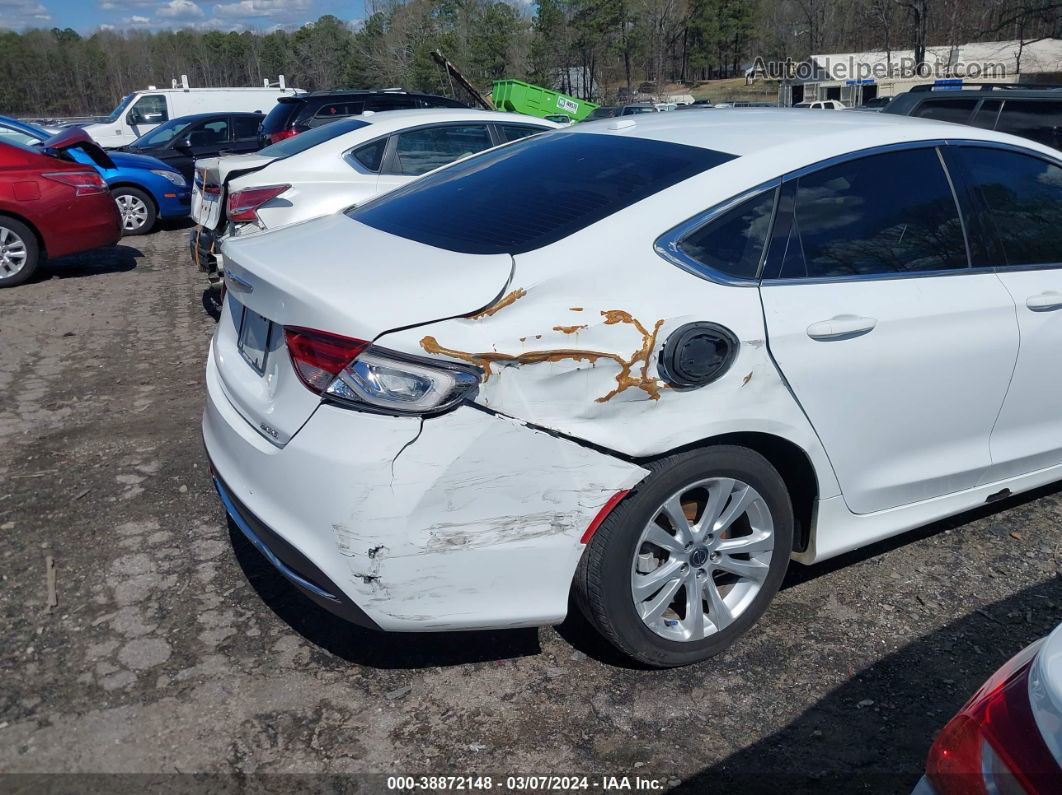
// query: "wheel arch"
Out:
[793,464]
[5,213]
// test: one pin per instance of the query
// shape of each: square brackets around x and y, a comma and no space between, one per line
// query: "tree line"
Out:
[586,47]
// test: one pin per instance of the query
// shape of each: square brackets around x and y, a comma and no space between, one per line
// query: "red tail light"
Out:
[277,137]
[243,204]
[318,356]
[86,182]
[994,743]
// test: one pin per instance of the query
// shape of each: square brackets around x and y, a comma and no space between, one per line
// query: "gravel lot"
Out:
[174,648]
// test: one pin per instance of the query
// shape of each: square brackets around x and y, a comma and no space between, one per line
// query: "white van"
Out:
[142,111]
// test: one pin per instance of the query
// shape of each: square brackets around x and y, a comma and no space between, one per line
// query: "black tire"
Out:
[16,230]
[602,586]
[150,214]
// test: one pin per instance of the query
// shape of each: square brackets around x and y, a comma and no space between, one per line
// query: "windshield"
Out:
[122,105]
[303,141]
[534,192]
[23,134]
[161,135]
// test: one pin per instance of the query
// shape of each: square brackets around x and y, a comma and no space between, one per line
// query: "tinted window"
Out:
[245,126]
[334,111]
[210,134]
[370,155]
[1040,121]
[419,151]
[956,110]
[277,118]
[390,102]
[514,132]
[890,213]
[1024,199]
[303,141]
[733,242]
[985,118]
[521,197]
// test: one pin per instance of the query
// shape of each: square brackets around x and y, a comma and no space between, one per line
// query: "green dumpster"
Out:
[519,97]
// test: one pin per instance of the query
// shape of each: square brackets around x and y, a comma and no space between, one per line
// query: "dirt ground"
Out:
[175,649]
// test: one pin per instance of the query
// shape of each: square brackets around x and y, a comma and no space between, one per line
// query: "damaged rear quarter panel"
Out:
[479,526]
[573,345]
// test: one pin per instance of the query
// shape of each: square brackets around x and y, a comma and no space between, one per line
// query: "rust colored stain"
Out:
[746,379]
[634,371]
[508,300]
[569,329]
[575,308]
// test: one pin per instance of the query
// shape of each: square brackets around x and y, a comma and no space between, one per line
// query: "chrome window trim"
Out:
[667,244]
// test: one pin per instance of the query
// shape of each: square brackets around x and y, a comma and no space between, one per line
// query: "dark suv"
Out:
[1028,110]
[293,115]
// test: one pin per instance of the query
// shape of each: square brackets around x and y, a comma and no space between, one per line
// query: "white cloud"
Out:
[126,5]
[261,8]
[22,13]
[180,9]
[136,21]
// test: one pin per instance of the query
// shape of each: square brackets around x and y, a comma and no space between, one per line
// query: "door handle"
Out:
[1045,302]
[841,327]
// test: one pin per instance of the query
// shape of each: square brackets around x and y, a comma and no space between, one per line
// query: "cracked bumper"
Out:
[472,521]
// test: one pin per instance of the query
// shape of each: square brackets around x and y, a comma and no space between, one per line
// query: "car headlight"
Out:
[172,176]
[395,383]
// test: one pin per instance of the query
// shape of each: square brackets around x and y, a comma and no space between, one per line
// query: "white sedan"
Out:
[335,166]
[650,361]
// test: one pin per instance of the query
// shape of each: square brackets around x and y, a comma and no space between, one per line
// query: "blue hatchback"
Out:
[145,188]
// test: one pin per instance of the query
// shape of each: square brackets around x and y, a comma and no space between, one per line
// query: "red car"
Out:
[50,205]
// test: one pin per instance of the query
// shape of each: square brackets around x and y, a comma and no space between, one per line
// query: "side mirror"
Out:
[183,143]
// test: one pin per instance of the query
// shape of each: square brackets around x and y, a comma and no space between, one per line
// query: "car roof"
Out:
[802,137]
[348,92]
[200,116]
[397,119]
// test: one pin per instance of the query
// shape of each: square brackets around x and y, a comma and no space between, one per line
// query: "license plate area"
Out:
[253,342]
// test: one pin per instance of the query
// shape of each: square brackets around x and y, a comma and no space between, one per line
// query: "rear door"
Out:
[898,351]
[422,149]
[1021,197]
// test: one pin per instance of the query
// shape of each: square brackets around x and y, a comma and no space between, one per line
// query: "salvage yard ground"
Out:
[174,648]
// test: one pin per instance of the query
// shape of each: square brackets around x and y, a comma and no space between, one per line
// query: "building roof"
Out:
[1036,57]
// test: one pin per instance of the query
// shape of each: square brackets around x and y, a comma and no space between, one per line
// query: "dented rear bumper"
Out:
[464,521]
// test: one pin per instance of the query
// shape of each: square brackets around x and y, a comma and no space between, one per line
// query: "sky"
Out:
[87,16]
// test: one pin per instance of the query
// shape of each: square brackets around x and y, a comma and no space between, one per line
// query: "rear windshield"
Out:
[303,141]
[534,192]
[277,118]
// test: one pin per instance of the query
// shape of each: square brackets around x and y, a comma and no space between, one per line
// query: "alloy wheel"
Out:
[134,212]
[702,558]
[13,253]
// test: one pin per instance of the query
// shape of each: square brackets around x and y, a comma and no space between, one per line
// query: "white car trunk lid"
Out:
[335,275]
[209,186]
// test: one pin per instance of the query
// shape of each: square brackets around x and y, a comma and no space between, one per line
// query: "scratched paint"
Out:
[634,368]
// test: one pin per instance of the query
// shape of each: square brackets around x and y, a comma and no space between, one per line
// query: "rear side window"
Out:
[865,218]
[514,132]
[335,110]
[986,115]
[733,242]
[370,155]
[390,102]
[1024,199]
[535,192]
[420,151]
[955,110]
[245,126]
[303,141]
[1038,121]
